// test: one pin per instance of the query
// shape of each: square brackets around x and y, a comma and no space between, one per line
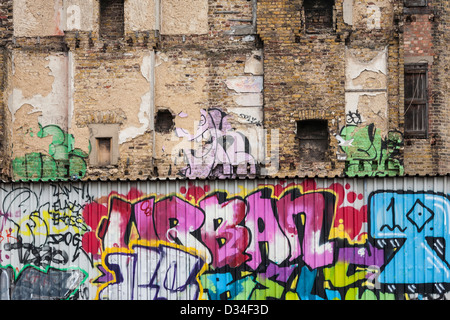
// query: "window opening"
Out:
[103,151]
[318,15]
[112,19]
[416,109]
[313,139]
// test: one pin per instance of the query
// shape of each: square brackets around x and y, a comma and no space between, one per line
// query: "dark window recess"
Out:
[415,3]
[313,139]
[416,107]
[164,121]
[112,19]
[318,15]
[104,151]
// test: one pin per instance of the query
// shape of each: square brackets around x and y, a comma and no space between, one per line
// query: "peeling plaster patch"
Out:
[248,84]
[362,104]
[183,114]
[249,99]
[374,109]
[140,15]
[355,67]
[348,12]
[146,67]
[254,64]
[373,14]
[250,123]
[370,80]
[252,115]
[34,18]
[26,129]
[256,140]
[144,110]
[373,17]
[79,15]
[184,17]
[71,72]
[371,107]
[351,106]
[73,14]
[52,105]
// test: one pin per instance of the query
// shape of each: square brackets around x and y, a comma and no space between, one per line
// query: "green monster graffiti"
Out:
[370,154]
[62,162]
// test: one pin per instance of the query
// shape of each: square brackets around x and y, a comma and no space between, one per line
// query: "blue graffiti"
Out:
[413,229]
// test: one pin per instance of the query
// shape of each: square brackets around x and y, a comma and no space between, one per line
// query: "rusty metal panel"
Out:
[291,239]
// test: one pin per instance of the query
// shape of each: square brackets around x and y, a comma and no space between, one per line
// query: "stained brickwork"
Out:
[6,31]
[236,80]
[426,42]
[112,18]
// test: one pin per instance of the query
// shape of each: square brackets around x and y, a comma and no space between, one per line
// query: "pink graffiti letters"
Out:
[230,230]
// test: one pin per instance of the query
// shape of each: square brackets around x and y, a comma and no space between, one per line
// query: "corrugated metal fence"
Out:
[306,239]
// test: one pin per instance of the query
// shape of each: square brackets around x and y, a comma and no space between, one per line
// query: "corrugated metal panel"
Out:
[301,239]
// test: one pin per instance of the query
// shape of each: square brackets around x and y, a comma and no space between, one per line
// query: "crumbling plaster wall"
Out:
[347,75]
[33,18]
[212,97]
[114,88]
[37,93]
[366,89]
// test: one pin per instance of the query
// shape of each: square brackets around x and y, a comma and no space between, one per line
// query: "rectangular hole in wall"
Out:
[313,139]
[112,19]
[318,15]
[103,151]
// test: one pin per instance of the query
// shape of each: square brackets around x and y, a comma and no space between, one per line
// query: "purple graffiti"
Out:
[218,148]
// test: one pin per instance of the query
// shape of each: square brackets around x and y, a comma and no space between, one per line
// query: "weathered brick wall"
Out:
[112,18]
[231,92]
[426,41]
[212,85]
[441,94]
[6,31]
[309,76]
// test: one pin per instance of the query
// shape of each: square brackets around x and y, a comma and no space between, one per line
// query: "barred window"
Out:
[416,97]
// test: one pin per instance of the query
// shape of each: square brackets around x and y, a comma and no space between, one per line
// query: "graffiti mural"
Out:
[62,162]
[315,239]
[368,153]
[218,151]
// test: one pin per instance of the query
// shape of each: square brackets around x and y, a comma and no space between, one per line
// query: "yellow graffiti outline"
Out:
[152,244]
[44,219]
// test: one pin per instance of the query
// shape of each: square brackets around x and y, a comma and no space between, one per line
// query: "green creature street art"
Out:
[62,162]
[368,153]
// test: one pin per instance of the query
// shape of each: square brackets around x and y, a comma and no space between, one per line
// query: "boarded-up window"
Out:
[112,19]
[104,151]
[313,139]
[416,111]
[415,3]
[318,15]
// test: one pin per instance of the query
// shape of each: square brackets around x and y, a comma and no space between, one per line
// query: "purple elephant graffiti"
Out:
[219,150]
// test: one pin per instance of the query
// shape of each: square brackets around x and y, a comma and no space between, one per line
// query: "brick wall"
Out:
[254,85]
[425,37]
[6,31]
[305,78]
[112,19]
